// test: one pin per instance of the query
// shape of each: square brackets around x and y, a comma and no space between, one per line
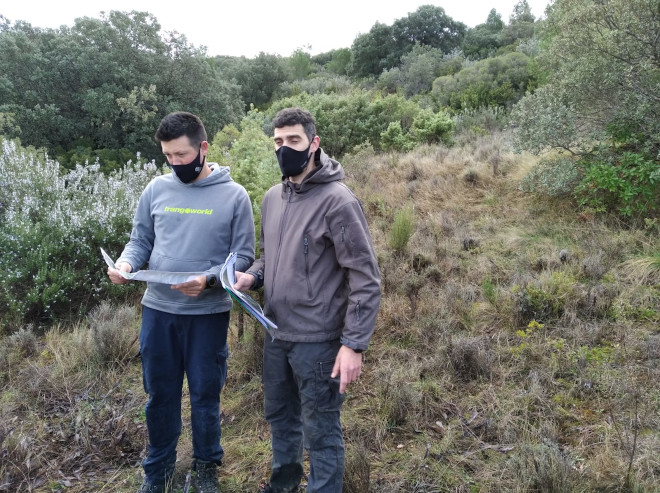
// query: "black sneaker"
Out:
[267,488]
[148,487]
[206,477]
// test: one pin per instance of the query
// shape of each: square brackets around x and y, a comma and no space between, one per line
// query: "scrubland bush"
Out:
[357,163]
[394,139]
[114,331]
[555,177]
[544,300]
[497,81]
[320,84]
[52,224]
[345,121]
[432,128]
[627,184]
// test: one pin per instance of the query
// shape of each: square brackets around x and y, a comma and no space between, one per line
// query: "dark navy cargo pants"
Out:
[302,405]
[171,345]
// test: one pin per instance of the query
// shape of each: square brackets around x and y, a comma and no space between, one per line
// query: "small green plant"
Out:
[114,334]
[545,299]
[525,335]
[489,290]
[402,229]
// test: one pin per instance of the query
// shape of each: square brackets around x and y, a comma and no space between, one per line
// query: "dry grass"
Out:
[517,349]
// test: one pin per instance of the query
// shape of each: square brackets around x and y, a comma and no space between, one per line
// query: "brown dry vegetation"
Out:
[498,363]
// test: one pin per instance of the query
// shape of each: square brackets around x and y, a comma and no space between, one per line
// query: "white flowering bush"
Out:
[52,223]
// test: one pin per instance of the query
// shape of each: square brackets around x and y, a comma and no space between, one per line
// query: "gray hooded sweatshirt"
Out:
[318,266]
[191,228]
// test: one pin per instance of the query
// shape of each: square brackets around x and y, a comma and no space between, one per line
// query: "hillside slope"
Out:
[517,349]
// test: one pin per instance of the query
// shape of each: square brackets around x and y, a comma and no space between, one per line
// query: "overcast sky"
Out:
[248,27]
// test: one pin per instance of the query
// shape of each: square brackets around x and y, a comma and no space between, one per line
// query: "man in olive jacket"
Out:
[322,289]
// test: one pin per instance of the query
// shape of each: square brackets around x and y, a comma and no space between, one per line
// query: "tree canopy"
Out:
[602,64]
[106,83]
[383,46]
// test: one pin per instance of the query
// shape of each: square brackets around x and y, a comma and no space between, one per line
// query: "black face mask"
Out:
[292,162]
[189,172]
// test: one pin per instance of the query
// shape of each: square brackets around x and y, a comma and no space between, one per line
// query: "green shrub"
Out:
[344,121]
[554,176]
[402,229]
[480,120]
[627,184]
[52,223]
[497,81]
[393,139]
[432,128]
[250,156]
[544,300]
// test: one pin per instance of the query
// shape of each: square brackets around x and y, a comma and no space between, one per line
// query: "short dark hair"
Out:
[294,116]
[181,123]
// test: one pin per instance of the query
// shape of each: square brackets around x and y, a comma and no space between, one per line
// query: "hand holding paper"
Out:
[152,275]
[228,279]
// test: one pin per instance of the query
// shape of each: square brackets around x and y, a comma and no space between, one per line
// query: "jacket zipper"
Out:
[279,245]
[357,311]
[306,251]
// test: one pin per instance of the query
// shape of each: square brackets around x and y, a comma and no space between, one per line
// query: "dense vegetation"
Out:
[517,347]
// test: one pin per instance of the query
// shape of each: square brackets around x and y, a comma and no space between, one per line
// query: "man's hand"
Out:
[348,366]
[244,281]
[114,274]
[193,287]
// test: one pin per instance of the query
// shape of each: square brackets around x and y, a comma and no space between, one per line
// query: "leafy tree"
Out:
[340,61]
[484,39]
[371,51]
[430,26]
[603,69]
[383,46]
[300,64]
[108,81]
[417,71]
[258,78]
[521,24]
[600,103]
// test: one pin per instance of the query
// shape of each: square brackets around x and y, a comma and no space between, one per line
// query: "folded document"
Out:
[228,279]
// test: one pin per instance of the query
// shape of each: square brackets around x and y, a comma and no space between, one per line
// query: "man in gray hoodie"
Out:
[322,289]
[186,221]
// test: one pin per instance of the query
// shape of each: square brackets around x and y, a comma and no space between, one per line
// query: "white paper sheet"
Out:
[160,276]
